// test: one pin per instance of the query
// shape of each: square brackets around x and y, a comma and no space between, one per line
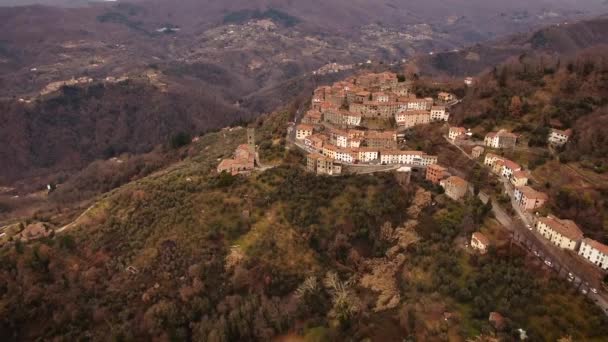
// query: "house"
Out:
[417,158]
[303,130]
[322,165]
[480,242]
[312,117]
[345,155]
[528,198]
[455,132]
[455,187]
[329,151]
[558,137]
[415,104]
[500,139]
[439,113]
[477,151]
[508,168]
[315,141]
[435,173]
[562,233]
[412,118]
[386,139]
[491,160]
[380,97]
[242,163]
[519,178]
[497,321]
[445,97]
[367,154]
[595,252]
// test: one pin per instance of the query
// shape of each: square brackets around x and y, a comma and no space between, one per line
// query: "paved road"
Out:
[532,241]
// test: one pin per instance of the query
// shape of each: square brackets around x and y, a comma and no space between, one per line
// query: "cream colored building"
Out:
[455,132]
[480,242]
[303,131]
[455,187]
[439,113]
[558,137]
[594,252]
[562,233]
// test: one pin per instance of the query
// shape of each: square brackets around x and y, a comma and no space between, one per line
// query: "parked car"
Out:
[594,290]
[529,227]
[583,291]
[570,276]
[548,263]
[536,253]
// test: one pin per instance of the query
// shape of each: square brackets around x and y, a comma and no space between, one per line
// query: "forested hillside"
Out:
[187,254]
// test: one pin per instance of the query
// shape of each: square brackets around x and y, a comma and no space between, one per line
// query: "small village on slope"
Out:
[358,126]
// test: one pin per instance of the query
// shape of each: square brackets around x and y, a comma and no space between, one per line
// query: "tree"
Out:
[180,139]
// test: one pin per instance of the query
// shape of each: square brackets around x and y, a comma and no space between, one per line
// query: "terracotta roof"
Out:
[566,228]
[512,165]
[521,174]
[567,132]
[458,129]
[304,127]
[457,181]
[481,238]
[597,245]
[530,193]
[437,167]
[381,135]
[438,108]
[479,148]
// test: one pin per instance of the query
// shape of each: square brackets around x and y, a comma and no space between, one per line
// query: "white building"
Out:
[508,168]
[367,155]
[558,137]
[438,113]
[562,233]
[480,242]
[344,155]
[303,131]
[455,132]
[595,252]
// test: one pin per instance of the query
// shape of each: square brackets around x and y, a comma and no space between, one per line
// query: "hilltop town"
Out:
[361,120]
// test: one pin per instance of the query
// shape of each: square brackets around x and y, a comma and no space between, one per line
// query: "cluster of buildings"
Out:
[381,95]
[526,197]
[332,128]
[243,161]
[455,187]
[566,234]
[560,232]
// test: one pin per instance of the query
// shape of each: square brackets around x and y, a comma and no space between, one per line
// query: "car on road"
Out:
[583,291]
[570,276]
[536,253]
[594,290]
[529,227]
[548,263]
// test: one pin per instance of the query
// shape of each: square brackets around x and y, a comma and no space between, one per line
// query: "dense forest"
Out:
[68,130]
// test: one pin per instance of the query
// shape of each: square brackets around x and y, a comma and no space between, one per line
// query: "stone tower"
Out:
[251,137]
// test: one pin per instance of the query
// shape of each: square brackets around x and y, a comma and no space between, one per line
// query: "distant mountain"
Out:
[246,57]
[564,39]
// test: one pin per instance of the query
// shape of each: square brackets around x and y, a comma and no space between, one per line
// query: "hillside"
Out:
[565,39]
[191,255]
[534,94]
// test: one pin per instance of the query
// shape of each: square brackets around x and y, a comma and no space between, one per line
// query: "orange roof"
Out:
[521,174]
[567,132]
[530,193]
[457,181]
[597,245]
[458,129]
[437,167]
[481,238]
[381,135]
[566,228]
[512,165]
[304,127]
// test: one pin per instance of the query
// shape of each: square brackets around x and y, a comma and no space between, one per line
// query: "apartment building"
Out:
[594,252]
[528,198]
[562,233]
[455,187]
